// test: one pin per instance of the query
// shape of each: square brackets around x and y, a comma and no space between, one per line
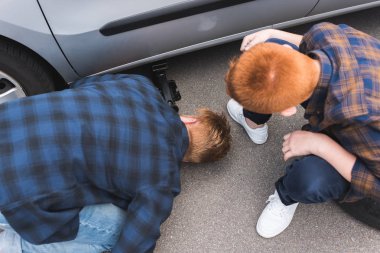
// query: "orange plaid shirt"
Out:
[346,102]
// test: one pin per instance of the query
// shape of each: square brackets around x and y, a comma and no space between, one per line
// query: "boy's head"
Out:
[209,135]
[270,78]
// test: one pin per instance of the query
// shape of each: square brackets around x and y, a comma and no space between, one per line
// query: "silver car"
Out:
[45,44]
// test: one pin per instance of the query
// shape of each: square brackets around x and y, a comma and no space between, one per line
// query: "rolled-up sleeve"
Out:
[363,183]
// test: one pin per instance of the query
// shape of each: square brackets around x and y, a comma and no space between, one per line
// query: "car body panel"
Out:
[329,5]
[67,34]
[24,22]
[76,26]
[315,15]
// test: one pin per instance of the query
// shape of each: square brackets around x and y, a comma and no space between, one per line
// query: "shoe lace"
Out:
[276,206]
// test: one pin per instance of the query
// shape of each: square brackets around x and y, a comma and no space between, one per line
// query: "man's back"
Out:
[97,143]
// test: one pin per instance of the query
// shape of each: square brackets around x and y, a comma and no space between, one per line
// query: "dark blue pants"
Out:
[311,179]
[258,118]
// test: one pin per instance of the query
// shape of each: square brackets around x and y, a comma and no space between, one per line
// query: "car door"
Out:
[328,5]
[98,35]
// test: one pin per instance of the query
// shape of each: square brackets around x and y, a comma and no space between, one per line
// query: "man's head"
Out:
[209,135]
[271,78]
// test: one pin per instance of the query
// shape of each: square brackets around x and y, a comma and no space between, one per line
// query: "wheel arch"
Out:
[59,83]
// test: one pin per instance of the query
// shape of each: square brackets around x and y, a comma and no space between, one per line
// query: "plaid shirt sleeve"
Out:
[146,212]
[365,181]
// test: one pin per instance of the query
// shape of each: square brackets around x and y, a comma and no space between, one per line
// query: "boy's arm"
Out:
[336,155]
[263,35]
[363,181]
[304,143]
[146,212]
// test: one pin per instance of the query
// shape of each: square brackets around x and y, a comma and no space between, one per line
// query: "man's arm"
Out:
[263,35]
[146,212]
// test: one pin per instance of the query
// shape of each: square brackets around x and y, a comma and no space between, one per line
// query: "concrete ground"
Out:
[221,202]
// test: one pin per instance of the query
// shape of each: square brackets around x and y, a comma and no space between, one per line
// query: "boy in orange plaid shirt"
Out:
[335,75]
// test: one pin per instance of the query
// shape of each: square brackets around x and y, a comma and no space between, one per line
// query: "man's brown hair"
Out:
[210,137]
[270,78]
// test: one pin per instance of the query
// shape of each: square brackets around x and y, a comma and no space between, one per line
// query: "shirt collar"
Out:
[185,140]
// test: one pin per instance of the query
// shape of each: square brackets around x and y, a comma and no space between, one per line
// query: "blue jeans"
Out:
[99,230]
[311,179]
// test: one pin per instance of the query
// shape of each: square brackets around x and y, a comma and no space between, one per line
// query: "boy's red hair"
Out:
[270,78]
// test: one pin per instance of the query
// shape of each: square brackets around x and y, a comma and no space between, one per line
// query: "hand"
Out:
[300,143]
[255,38]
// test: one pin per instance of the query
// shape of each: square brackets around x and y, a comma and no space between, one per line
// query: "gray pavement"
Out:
[221,202]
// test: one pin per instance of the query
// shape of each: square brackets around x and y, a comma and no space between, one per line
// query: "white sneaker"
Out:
[275,218]
[257,135]
[10,242]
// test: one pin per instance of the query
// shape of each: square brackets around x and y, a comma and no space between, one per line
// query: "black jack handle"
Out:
[168,88]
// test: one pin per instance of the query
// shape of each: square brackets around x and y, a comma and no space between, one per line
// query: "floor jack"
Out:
[168,88]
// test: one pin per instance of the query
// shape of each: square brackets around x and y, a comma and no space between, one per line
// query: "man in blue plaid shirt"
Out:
[96,167]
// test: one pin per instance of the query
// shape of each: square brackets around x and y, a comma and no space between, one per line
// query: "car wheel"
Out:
[365,210]
[23,73]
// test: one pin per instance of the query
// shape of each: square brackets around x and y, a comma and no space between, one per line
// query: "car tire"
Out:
[24,73]
[365,210]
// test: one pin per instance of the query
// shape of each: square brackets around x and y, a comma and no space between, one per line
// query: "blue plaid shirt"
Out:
[109,139]
[346,102]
